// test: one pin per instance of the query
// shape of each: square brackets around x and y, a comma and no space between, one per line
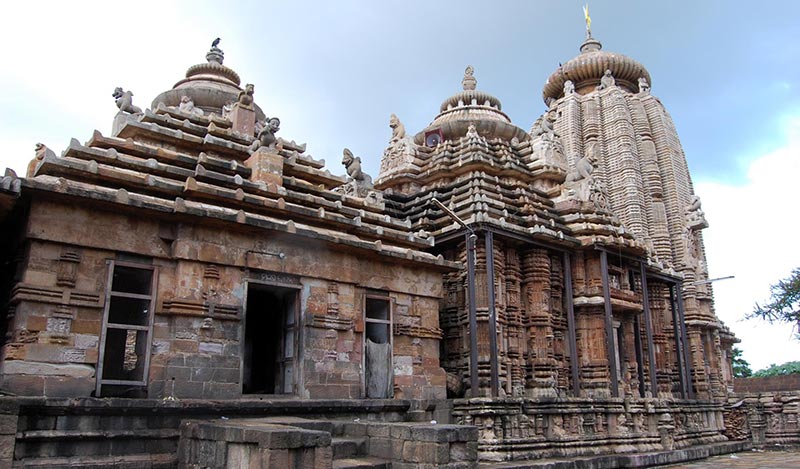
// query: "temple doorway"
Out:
[270,345]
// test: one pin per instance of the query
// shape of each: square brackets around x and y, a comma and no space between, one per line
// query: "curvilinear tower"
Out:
[590,276]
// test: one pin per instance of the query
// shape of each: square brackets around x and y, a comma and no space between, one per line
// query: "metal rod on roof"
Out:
[473,315]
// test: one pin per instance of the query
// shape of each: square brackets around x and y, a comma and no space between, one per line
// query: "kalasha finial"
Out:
[215,54]
[588,21]
[469,82]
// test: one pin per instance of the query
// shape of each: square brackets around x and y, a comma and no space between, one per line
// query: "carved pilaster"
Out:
[516,351]
[68,263]
[536,289]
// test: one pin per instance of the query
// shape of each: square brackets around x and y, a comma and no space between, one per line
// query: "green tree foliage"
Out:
[787,368]
[741,369]
[784,303]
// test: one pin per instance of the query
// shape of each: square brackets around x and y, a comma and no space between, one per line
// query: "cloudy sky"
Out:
[333,72]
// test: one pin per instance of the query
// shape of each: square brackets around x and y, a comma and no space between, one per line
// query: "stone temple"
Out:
[194,290]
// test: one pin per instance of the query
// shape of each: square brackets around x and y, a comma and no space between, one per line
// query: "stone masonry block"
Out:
[426,452]
[380,447]
[460,451]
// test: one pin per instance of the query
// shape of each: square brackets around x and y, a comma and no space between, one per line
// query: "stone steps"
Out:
[156,461]
[364,462]
[93,444]
[344,447]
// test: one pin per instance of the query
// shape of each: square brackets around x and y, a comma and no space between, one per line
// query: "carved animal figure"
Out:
[266,136]
[398,129]
[187,106]
[583,169]
[607,81]
[353,166]
[544,127]
[124,100]
[246,96]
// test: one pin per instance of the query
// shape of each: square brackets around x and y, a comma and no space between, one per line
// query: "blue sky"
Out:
[333,72]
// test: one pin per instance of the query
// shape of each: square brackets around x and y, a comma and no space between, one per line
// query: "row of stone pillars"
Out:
[676,307]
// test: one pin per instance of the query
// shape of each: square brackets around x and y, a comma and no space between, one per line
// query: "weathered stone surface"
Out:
[591,319]
[16,367]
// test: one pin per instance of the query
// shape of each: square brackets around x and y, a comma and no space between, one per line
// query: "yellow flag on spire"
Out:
[588,19]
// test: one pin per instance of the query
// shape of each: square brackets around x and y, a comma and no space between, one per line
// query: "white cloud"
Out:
[59,76]
[753,235]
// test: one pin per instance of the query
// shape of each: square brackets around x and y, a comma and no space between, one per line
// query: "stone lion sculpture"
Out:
[187,106]
[124,100]
[246,96]
[352,164]
[398,129]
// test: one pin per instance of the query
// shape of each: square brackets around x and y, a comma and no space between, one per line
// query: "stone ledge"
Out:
[628,460]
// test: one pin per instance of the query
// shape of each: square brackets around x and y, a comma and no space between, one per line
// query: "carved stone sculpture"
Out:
[545,128]
[583,169]
[42,152]
[124,100]
[547,146]
[581,184]
[352,164]
[400,149]
[472,133]
[644,86]
[569,87]
[187,106]
[266,136]
[607,81]
[359,183]
[695,217]
[246,96]
[398,130]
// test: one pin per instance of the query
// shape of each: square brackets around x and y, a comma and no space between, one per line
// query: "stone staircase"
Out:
[299,442]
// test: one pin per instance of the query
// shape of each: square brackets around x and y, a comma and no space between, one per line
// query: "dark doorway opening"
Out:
[269,340]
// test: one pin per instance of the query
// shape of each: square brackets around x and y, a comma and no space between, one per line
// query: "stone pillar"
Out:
[267,167]
[243,119]
[513,329]
[536,288]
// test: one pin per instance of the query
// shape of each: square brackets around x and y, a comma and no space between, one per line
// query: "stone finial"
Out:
[124,100]
[469,82]
[215,54]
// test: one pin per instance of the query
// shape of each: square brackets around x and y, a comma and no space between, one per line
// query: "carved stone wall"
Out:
[519,428]
[770,419]
[198,326]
